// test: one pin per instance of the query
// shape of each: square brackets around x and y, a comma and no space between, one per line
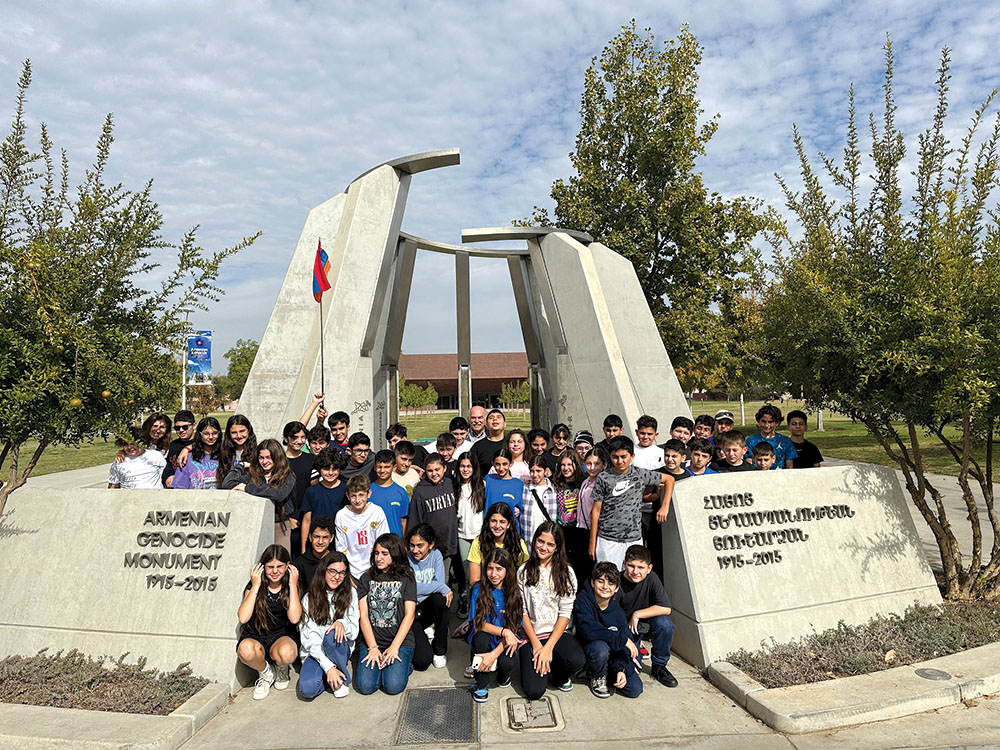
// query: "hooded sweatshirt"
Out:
[596,624]
[435,504]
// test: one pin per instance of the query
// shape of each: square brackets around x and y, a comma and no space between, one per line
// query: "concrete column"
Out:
[463,314]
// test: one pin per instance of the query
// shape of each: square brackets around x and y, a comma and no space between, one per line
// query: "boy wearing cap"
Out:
[723,423]
[583,441]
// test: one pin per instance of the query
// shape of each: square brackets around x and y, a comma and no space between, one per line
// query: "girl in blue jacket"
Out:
[494,613]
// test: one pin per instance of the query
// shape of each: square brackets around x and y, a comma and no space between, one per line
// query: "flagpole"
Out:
[322,365]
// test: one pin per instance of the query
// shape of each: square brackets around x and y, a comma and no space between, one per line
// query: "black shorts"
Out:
[266,639]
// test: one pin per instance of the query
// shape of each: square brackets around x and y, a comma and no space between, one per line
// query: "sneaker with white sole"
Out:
[504,684]
[440,661]
[567,686]
[470,672]
[599,687]
[262,687]
[281,678]
[342,692]
[480,695]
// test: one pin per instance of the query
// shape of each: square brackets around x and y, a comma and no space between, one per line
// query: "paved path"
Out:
[694,715]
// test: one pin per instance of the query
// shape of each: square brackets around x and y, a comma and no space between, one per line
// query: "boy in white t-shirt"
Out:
[138,469]
[359,524]
[648,455]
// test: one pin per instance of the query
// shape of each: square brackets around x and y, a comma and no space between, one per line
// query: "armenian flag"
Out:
[321,267]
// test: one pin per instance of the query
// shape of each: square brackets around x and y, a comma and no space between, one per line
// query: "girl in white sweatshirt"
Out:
[328,629]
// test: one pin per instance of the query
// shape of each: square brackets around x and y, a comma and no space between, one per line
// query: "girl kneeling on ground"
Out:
[433,599]
[548,588]
[328,629]
[387,599]
[494,614]
[269,613]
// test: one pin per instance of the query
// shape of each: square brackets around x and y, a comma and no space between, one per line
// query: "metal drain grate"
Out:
[523,714]
[437,715]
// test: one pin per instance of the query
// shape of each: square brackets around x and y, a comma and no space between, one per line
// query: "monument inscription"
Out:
[155,573]
[753,556]
[207,539]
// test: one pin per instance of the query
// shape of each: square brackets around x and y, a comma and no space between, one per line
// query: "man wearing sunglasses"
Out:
[184,423]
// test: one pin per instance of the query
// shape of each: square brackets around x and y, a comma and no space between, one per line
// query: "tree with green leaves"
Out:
[515,395]
[887,309]
[85,347]
[240,357]
[637,190]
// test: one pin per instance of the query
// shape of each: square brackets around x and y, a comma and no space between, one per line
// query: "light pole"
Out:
[184,357]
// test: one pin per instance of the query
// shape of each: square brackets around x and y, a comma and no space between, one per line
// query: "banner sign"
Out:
[199,357]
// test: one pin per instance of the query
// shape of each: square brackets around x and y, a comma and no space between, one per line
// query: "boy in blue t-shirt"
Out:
[768,418]
[388,495]
[701,452]
[329,495]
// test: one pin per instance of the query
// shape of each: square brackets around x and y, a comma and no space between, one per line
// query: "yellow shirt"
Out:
[476,554]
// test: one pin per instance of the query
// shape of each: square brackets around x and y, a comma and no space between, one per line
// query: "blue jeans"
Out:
[392,679]
[602,661]
[661,635]
[312,679]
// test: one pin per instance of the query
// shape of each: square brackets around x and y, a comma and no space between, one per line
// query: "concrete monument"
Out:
[153,573]
[752,556]
[587,328]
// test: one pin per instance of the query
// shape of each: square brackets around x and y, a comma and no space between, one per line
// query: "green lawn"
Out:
[840,439]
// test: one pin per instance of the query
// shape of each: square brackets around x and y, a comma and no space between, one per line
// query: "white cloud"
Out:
[249,114]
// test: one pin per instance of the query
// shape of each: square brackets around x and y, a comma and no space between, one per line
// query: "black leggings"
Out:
[505,664]
[567,659]
[431,611]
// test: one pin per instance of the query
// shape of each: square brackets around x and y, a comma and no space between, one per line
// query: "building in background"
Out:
[490,371]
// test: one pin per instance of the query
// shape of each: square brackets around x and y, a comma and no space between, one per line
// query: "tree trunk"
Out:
[17,479]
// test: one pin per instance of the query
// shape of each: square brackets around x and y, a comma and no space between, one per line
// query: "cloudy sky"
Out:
[247,114]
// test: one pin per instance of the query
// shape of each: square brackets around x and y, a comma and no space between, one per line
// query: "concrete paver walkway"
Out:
[694,715]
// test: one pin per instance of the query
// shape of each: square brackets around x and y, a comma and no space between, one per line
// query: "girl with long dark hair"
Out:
[269,613]
[500,530]
[548,587]
[470,498]
[495,617]
[387,600]
[155,432]
[267,474]
[199,473]
[238,444]
[329,627]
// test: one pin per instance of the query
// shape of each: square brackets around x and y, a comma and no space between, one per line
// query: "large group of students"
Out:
[546,544]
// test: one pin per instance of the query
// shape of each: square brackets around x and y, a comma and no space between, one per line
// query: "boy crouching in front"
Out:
[601,628]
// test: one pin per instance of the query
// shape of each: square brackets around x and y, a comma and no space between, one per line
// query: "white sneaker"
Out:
[440,661]
[281,678]
[262,687]
[429,632]
[342,692]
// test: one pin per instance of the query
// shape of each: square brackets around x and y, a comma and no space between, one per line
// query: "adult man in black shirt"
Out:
[485,450]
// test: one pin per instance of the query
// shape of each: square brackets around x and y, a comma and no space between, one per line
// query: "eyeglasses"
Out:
[336,573]
[359,449]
